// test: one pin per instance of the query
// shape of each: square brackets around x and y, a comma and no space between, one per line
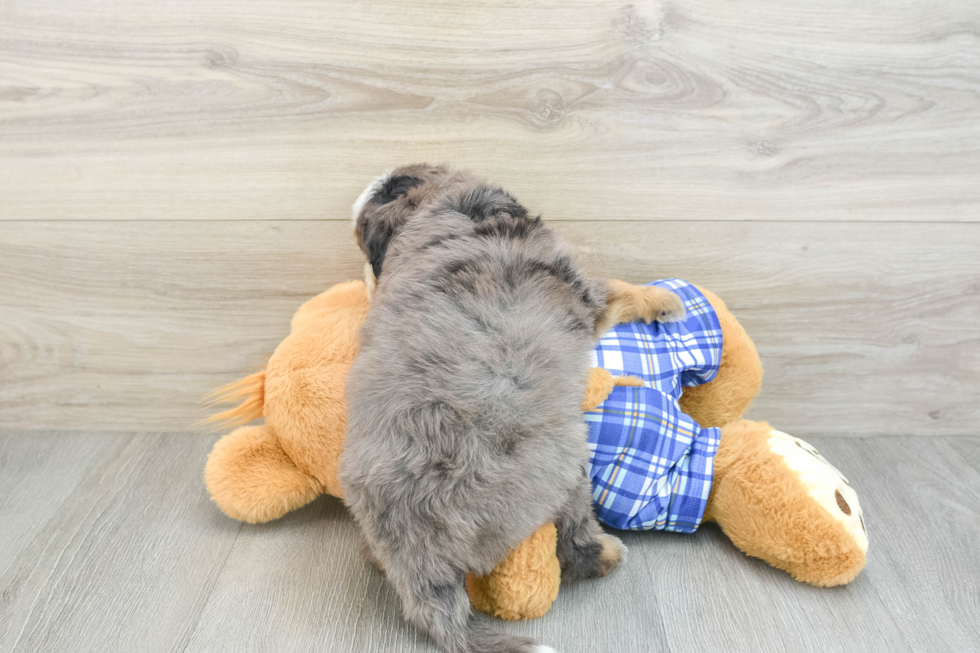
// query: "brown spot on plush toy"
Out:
[844,508]
[772,494]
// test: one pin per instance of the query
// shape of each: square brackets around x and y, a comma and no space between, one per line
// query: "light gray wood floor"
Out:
[109,543]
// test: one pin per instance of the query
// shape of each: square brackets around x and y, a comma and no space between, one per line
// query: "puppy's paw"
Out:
[661,305]
[613,552]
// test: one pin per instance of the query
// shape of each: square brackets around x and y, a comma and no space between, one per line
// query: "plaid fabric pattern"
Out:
[652,465]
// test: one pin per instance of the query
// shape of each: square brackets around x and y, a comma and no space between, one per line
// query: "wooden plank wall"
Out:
[176,176]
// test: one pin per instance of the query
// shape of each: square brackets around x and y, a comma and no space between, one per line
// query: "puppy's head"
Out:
[389,201]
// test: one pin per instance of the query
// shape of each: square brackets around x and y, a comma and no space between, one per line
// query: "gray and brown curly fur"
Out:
[464,429]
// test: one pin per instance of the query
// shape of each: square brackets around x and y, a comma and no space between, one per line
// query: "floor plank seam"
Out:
[210,594]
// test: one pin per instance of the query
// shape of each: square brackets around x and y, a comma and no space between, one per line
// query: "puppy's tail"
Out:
[248,392]
[443,609]
[496,643]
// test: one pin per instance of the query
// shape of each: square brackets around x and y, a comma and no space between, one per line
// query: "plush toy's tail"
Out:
[249,392]
[248,473]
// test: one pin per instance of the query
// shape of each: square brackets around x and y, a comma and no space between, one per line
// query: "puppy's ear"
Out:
[483,203]
[380,219]
[375,243]
[396,187]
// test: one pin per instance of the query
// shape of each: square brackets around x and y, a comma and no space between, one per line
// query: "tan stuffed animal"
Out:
[772,494]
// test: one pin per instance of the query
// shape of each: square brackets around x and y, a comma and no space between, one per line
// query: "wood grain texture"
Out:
[939,489]
[30,493]
[587,109]
[863,328]
[130,556]
[138,559]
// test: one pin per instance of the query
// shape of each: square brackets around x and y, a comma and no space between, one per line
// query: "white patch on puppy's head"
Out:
[367,194]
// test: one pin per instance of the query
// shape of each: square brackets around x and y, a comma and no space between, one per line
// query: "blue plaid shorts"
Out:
[652,465]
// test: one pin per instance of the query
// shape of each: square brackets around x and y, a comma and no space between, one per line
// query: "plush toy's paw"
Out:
[252,479]
[525,584]
[599,385]
[823,482]
[613,552]
[778,499]
[660,305]
[628,381]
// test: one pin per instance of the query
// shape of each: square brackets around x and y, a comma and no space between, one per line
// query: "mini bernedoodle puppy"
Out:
[464,430]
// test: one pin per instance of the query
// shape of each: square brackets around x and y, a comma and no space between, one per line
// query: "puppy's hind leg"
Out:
[433,594]
[369,556]
[584,550]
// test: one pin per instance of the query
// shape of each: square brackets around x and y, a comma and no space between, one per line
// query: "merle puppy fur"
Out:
[464,430]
